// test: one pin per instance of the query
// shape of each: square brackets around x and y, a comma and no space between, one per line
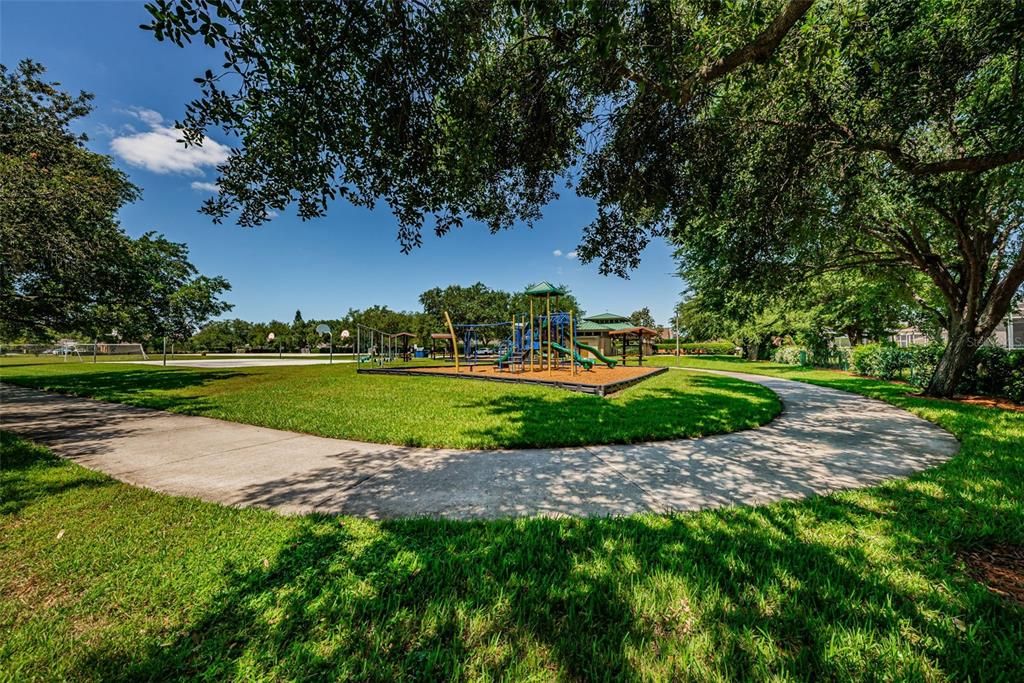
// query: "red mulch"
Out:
[991,402]
[985,401]
[1000,568]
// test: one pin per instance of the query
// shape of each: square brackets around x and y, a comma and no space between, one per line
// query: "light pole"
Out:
[323,329]
[677,334]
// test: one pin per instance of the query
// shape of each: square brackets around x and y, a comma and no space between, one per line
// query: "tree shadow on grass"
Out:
[744,593]
[150,388]
[53,477]
[859,586]
[707,405]
[855,587]
[134,387]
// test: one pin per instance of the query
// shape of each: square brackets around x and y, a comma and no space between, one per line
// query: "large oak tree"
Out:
[766,138]
[66,266]
[58,206]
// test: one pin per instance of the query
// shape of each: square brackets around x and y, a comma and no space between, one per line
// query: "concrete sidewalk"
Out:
[823,441]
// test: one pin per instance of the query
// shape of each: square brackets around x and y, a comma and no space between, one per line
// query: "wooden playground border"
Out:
[516,378]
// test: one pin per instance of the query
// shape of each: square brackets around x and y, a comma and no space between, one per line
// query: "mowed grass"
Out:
[334,401]
[103,581]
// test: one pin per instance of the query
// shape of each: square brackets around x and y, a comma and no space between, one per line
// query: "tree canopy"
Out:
[866,306]
[167,294]
[58,206]
[478,303]
[642,318]
[767,140]
[67,266]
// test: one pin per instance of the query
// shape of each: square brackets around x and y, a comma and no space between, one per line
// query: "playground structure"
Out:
[539,346]
[541,341]
[376,347]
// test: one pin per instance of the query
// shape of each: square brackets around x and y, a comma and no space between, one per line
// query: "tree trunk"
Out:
[955,360]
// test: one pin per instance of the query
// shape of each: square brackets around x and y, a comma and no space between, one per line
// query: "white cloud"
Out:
[148,116]
[158,149]
[204,186]
[271,214]
[557,252]
[571,255]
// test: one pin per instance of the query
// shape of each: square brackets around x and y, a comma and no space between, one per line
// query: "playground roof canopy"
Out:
[591,326]
[441,335]
[638,331]
[607,318]
[544,288]
[403,334]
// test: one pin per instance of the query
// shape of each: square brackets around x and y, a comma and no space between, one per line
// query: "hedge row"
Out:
[994,372]
[791,354]
[709,348]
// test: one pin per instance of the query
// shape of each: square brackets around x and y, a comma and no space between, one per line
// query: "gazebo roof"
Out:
[544,288]
[638,331]
[591,326]
[404,334]
[607,318]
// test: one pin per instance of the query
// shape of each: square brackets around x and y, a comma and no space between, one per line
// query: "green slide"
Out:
[610,362]
[587,363]
[505,357]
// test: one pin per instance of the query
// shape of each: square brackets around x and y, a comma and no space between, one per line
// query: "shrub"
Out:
[891,361]
[885,361]
[710,348]
[923,360]
[863,358]
[830,357]
[994,372]
[790,354]
[988,373]
[1013,387]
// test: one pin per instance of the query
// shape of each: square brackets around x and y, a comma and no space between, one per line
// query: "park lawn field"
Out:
[334,401]
[100,580]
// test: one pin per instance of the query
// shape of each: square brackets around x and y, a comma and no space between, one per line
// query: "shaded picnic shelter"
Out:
[635,335]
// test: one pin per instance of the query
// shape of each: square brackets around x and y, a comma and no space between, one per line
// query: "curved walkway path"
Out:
[823,441]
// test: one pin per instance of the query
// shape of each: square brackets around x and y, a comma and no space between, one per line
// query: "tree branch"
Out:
[759,49]
[914,166]
[1002,296]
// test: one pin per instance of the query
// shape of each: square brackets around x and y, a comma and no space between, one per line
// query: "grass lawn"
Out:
[417,411]
[100,580]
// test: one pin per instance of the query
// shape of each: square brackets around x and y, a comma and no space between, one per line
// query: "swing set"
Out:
[376,347]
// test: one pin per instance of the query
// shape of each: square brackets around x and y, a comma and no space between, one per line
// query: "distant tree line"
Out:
[473,304]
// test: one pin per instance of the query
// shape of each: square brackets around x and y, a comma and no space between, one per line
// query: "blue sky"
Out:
[350,259]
